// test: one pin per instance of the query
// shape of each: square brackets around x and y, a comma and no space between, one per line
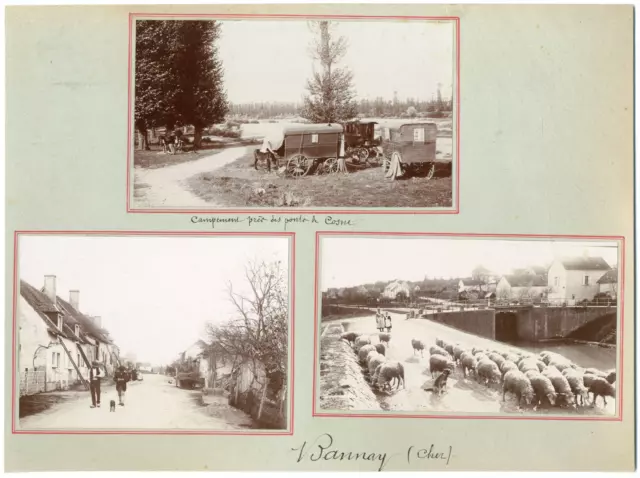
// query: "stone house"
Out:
[576,278]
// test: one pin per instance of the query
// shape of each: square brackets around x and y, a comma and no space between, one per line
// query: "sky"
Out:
[347,262]
[269,60]
[154,294]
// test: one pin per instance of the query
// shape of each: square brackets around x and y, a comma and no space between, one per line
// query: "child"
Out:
[387,322]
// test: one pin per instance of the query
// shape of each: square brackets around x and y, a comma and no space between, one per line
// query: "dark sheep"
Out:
[576,383]
[438,363]
[611,377]
[384,338]
[440,343]
[543,388]
[418,345]
[449,349]
[381,349]
[350,337]
[515,382]
[601,388]
[487,371]
[588,378]
[388,372]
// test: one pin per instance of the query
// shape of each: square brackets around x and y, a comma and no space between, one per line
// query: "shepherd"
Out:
[95,374]
[380,321]
[121,378]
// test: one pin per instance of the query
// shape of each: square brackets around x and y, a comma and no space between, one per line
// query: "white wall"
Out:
[558,291]
[503,289]
[32,333]
[575,284]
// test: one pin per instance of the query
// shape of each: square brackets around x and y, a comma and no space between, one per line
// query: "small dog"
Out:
[440,383]
[112,406]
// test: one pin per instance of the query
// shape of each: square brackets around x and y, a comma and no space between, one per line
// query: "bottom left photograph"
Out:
[151,333]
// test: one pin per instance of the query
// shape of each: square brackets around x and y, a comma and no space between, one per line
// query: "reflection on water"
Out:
[583,355]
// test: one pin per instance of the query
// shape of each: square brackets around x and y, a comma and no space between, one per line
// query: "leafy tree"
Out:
[178,76]
[331,95]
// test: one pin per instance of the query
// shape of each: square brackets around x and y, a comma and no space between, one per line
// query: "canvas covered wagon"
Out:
[409,149]
[300,147]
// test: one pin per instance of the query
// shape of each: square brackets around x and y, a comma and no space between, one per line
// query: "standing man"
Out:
[95,374]
[121,377]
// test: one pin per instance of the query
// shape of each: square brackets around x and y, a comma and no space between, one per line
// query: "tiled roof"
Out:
[526,280]
[585,263]
[470,281]
[41,303]
[610,277]
[87,326]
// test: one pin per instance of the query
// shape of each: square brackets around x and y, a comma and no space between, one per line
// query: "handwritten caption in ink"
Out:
[286,222]
[323,449]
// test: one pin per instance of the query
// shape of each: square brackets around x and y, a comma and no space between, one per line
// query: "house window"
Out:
[418,135]
[77,330]
[53,359]
[314,138]
[556,281]
[585,280]
[59,322]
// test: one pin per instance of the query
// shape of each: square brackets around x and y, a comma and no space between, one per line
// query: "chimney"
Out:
[97,321]
[74,299]
[50,288]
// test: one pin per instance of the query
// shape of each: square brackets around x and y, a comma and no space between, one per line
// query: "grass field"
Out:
[239,185]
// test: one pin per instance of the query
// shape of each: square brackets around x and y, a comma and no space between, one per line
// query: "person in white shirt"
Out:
[95,375]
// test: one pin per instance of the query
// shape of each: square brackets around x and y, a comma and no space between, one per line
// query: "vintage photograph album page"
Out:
[320,237]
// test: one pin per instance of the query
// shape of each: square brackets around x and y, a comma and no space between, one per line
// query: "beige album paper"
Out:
[320,237]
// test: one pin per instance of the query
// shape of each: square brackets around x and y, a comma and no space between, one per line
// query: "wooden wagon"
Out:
[409,149]
[360,139]
[304,146]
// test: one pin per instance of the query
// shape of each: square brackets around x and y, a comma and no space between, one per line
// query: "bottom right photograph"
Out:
[439,326]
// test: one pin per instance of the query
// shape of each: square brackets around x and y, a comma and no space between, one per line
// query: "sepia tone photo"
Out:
[291,113]
[451,326]
[152,334]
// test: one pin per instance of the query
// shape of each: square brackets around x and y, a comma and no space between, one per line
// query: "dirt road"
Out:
[150,404]
[464,394]
[165,187]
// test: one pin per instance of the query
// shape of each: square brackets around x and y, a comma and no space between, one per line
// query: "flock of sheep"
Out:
[545,380]
[383,373]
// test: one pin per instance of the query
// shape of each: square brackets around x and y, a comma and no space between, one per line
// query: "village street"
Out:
[151,404]
[464,394]
[164,187]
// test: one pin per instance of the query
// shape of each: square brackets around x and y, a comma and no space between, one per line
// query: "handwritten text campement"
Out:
[322,449]
[283,221]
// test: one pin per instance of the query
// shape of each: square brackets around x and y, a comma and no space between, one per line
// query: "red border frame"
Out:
[621,267]
[455,210]
[292,269]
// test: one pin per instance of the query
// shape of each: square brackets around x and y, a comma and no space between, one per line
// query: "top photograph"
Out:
[289,115]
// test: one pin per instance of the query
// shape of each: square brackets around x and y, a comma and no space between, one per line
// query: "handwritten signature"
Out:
[322,449]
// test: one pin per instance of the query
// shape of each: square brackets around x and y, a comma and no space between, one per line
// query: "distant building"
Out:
[471,285]
[396,287]
[608,283]
[523,286]
[576,278]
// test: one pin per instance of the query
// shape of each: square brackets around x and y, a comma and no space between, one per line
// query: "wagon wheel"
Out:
[298,165]
[362,153]
[395,169]
[330,166]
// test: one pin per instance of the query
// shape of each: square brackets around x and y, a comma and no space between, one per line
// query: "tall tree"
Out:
[331,95]
[178,77]
[200,100]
